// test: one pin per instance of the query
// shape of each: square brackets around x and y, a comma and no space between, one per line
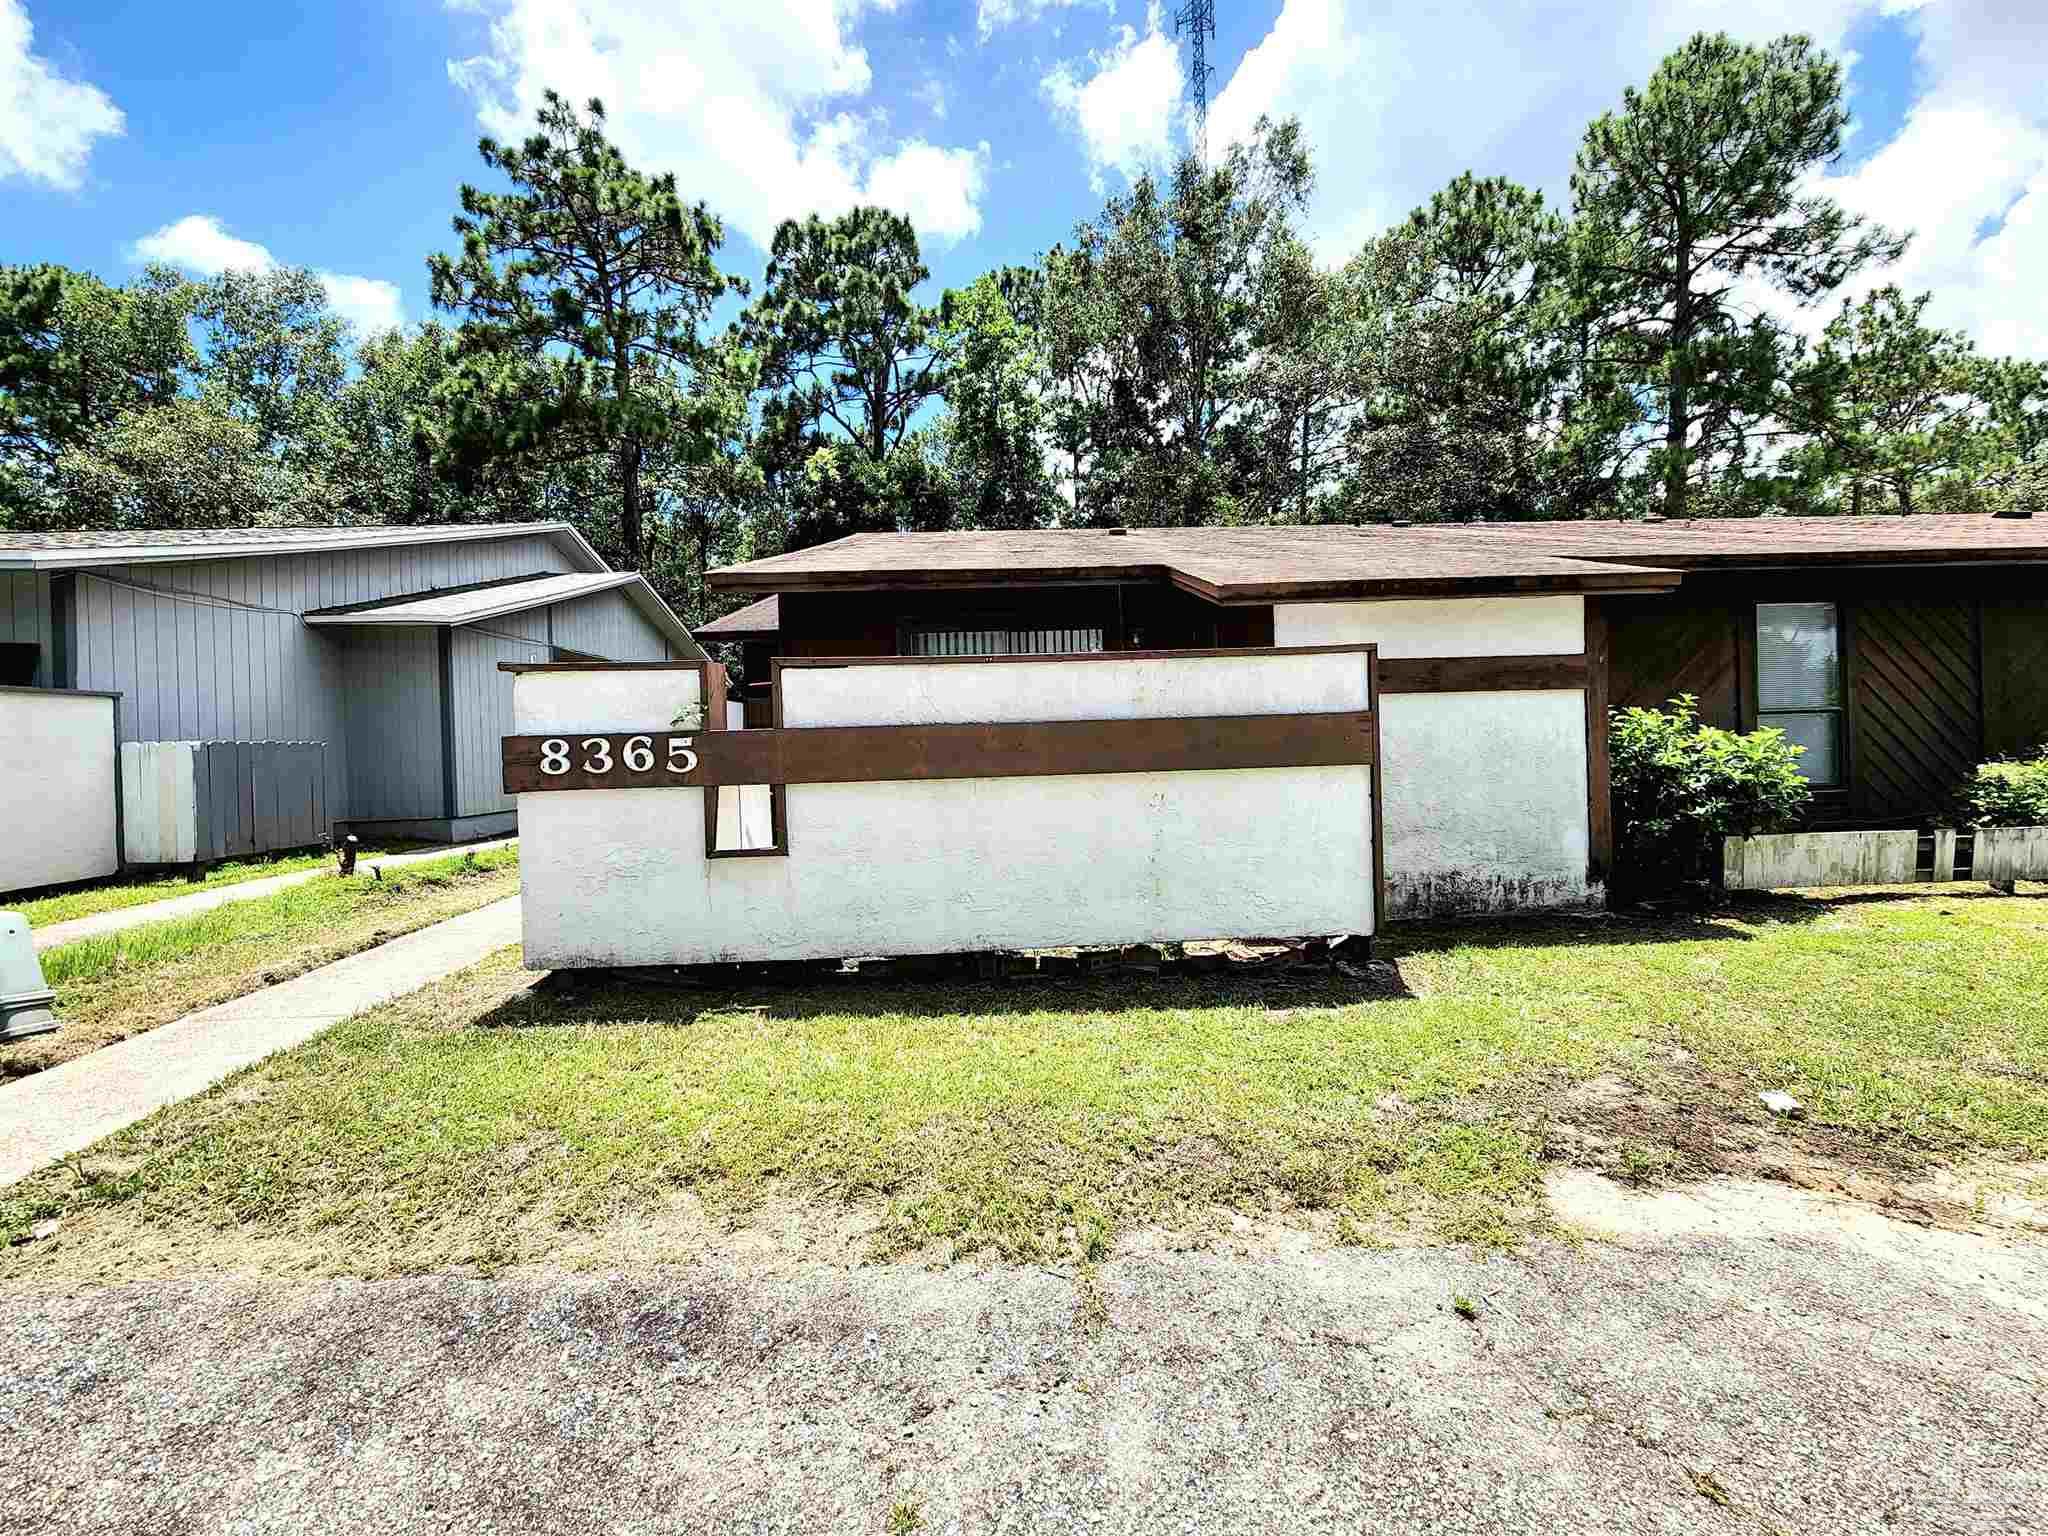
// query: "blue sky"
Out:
[335,137]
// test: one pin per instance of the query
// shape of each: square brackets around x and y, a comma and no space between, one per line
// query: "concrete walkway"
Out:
[69,1107]
[248,890]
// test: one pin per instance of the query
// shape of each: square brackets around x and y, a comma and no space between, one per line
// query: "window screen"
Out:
[1799,682]
[1005,642]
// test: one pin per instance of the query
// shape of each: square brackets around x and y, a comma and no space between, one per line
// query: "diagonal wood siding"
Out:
[1665,646]
[1916,702]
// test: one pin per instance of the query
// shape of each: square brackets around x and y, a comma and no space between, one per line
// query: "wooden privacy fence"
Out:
[191,802]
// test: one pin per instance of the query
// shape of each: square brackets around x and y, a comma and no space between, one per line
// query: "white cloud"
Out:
[1124,102]
[931,95]
[945,184]
[368,303]
[47,123]
[1396,100]
[198,243]
[1968,174]
[754,104]
[990,16]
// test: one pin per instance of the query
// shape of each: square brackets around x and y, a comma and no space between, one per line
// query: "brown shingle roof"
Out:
[756,621]
[1247,565]
[1223,564]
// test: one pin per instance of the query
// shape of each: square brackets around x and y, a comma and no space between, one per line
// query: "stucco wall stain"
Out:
[1453,893]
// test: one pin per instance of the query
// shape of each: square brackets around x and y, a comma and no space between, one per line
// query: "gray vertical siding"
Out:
[393,693]
[214,650]
[483,704]
[608,625]
[25,617]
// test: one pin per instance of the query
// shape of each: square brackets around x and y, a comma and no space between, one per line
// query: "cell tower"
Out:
[1197,18]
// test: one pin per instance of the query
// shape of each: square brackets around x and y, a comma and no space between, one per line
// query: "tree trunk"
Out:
[629,503]
[629,457]
[1678,405]
[1304,463]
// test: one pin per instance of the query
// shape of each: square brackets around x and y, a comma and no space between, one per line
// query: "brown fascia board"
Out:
[1966,557]
[739,579]
[1595,578]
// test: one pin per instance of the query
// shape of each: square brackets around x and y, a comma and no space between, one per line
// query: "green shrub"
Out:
[1680,787]
[2012,792]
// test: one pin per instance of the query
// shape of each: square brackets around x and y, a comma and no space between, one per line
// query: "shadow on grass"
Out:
[1685,919]
[597,996]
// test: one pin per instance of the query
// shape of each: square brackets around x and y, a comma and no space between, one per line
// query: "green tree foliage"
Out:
[849,357]
[1888,411]
[1481,396]
[1159,322]
[1693,189]
[75,355]
[992,442]
[581,294]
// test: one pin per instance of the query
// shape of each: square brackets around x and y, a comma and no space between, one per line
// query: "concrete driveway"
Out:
[1731,1358]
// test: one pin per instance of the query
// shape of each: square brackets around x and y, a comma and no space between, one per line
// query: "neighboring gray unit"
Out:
[192,802]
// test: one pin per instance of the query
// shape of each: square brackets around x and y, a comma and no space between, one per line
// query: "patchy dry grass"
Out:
[126,891]
[483,1121]
[120,984]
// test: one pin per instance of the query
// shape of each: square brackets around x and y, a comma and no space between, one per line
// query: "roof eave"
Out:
[577,547]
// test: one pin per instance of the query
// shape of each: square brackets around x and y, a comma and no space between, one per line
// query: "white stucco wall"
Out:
[1485,792]
[619,877]
[56,788]
[1440,626]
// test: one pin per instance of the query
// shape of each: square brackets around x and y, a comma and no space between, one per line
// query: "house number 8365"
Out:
[637,754]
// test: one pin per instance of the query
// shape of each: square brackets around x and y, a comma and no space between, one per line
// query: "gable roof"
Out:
[452,607]
[1334,562]
[757,621]
[70,550]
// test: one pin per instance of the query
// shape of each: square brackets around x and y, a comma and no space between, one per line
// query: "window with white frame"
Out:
[1799,682]
[1005,642]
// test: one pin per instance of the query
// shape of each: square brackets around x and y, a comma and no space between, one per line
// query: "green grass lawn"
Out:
[139,890]
[481,1121]
[119,984]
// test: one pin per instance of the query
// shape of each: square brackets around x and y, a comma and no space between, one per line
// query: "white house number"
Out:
[637,754]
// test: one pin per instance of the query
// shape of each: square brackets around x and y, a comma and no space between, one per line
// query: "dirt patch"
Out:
[1694,1123]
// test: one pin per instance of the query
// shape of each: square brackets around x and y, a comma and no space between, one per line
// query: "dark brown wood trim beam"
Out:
[784,663]
[1480,674]
[600,666]
[1599,787]
[860,754]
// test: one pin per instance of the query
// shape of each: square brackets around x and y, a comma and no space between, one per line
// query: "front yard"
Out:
[119,984]
[487,1120]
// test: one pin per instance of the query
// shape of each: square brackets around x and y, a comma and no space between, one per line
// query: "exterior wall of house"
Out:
[1131,617]
[1941,668]
[25,618]
[391,685]
[214,650]
[606,625]
[1486,805]
[619,877]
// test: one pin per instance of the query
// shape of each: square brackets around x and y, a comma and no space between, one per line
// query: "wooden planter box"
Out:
[2006,854]
[1788,860]
[1782,860]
